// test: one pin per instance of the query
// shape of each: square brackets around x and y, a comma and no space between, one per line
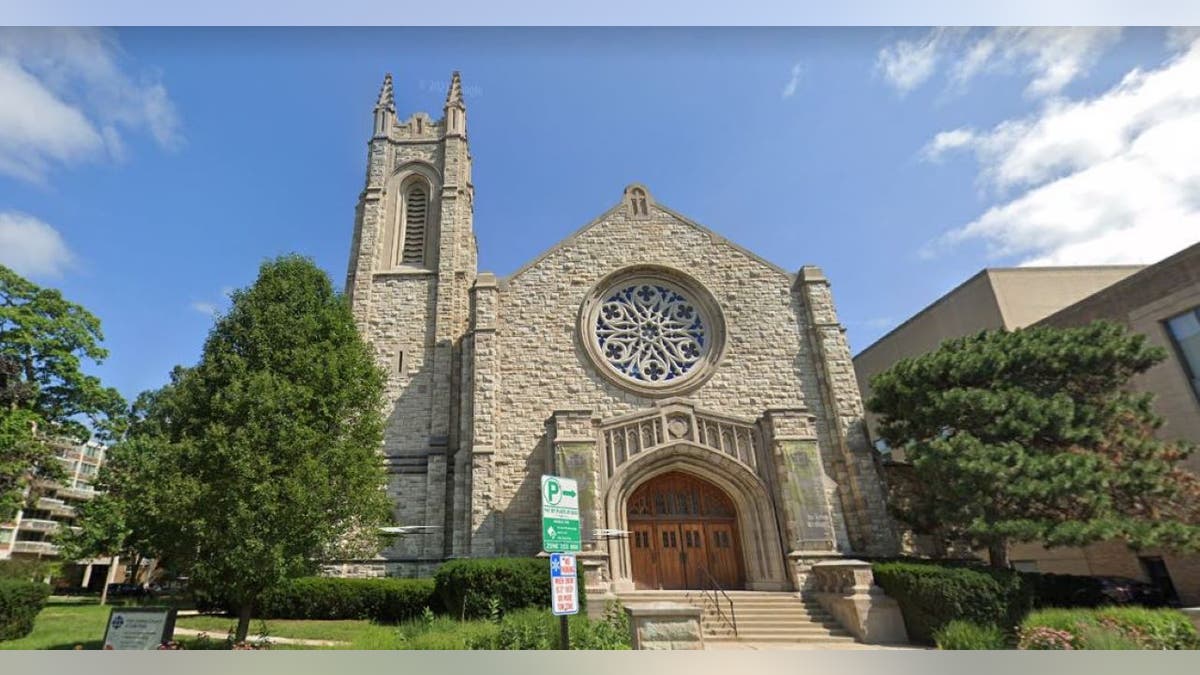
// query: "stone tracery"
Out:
[649,332]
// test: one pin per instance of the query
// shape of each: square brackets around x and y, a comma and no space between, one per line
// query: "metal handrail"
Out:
[716,588]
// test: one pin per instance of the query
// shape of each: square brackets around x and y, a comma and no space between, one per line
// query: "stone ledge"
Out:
[664,625]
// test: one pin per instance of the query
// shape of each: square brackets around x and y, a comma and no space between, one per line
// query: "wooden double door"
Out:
[682,531]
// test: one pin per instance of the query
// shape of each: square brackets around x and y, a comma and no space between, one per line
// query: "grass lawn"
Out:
[63,625]
[218,627]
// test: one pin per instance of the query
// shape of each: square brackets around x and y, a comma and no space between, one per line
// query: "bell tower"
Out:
[413,261]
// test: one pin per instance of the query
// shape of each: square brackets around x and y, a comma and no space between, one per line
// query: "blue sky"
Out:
[147,171]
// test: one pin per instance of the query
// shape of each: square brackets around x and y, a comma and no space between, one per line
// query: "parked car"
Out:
[1123,590]
[127,591]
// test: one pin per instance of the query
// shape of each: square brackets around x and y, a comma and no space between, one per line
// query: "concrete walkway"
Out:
[191,632]
[771,646]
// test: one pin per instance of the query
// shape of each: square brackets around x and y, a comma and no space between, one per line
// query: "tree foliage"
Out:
[249,468]
[1034,434]
[44,393]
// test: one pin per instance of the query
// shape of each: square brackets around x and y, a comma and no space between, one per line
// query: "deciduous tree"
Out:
[251,467]
[44,393]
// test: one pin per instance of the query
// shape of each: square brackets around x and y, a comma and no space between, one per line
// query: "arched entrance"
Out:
[682,529]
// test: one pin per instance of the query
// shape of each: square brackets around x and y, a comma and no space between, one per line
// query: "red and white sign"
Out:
[566,596]
[564,588]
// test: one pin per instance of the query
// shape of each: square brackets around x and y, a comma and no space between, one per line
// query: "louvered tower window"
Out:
[416,208]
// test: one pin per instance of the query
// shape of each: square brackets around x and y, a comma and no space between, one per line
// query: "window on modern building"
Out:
[1025,565]
[416,207]
[1185,333]
[1154,568]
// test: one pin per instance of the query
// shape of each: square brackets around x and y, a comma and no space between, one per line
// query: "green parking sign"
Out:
[560,515]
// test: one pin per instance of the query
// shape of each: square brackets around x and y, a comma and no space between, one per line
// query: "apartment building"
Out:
[31,534]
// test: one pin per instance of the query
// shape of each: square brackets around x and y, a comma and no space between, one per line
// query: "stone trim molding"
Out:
[763,559]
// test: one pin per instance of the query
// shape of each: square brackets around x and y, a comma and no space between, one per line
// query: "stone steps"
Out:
[762,616]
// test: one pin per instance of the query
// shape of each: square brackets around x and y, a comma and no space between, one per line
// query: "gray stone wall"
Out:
[770,360]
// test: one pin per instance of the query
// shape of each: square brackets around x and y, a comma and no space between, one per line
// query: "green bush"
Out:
[530,629]
[381,600]
[474,588]
[1106,627]
[20,603]
[1096,637]
[27,570]
[930,596]
[960,634]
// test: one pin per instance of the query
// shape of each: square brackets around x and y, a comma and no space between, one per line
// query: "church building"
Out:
[703,397]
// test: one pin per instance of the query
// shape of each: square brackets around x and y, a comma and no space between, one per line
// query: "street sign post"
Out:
[560,515]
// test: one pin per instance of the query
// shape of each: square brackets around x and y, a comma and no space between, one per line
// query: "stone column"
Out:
[863,498]
[801,501]
[574,454]
[479,490]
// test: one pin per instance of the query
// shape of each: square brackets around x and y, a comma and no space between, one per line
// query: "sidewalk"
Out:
[190,632]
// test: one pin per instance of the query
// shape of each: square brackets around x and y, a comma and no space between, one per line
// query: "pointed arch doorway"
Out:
[682,529]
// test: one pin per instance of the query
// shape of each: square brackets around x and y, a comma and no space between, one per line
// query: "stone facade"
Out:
[493,382]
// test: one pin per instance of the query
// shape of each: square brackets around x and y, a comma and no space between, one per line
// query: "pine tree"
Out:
[1034,435]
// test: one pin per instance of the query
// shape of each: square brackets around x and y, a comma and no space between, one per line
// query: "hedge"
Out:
[382,600]
[1108,628]
[472,587]
[931,596]
[20,603]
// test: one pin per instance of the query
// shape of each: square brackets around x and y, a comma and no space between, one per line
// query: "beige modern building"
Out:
[1161,301]
[1007,298]
[30,535]
[702,396]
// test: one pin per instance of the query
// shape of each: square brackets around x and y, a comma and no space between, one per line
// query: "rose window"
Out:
[650,332]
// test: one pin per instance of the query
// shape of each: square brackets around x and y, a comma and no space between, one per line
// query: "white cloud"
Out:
[909,63]
[946,141]
[1179,37]
[789,89]
[206,308]
[67,100]
[1109,179]
[1051,57]
[32,248]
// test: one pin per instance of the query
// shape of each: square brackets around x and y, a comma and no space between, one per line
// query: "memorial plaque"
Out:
[139,627]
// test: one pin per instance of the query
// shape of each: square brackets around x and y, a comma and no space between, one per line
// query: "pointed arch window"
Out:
[416,219]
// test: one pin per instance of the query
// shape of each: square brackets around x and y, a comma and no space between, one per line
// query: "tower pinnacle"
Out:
[385,108]
[386,102]
[454,95]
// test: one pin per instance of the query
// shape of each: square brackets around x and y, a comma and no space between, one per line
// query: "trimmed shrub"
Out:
[959,634]
[474,588]
[381,600]
[1108,628]
[930,596]
[20,603]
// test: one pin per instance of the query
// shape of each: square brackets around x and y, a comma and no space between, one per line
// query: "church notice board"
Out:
[139,627]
